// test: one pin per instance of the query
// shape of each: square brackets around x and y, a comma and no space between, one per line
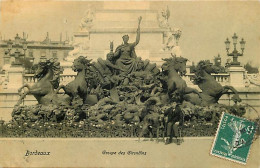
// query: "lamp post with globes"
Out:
[235,54]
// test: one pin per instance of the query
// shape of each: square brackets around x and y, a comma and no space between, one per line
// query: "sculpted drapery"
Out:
[125,55]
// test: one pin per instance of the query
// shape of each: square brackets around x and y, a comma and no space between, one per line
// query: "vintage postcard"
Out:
[129,83]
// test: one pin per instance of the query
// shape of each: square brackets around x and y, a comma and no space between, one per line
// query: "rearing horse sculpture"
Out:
[48,79]
[174,68]
[78,88]
[211,89]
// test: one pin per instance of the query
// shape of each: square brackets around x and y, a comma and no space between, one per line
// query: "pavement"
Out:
[115,152]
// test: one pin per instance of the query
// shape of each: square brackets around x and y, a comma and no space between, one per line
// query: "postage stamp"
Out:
[233,138]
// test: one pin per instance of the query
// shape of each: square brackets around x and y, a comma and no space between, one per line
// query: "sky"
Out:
[205,25]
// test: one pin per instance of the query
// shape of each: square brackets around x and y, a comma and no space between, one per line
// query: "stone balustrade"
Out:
[253,75]
[222,78]
[29,78]
[64,79]
[8,97]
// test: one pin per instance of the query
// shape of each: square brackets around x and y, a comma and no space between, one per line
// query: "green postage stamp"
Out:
[234,138]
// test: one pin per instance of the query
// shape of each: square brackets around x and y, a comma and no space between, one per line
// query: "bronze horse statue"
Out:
[78,88]
[48,75]
[211,89]
[172,70]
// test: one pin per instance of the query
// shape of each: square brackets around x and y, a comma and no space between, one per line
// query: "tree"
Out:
[250,68]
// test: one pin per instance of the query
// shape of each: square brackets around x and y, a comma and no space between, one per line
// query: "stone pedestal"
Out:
[236,76]
[15,77]
[81,46]
[116,20]
[81,40]
[67,68]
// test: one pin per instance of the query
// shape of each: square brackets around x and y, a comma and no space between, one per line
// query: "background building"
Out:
[22,49]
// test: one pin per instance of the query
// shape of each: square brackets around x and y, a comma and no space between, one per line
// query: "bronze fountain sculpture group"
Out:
[123,89]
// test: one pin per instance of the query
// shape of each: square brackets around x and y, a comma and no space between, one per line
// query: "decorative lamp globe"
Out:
[227,42]
[235,38]
[242,43]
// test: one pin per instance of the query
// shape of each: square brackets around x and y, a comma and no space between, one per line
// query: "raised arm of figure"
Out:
[138,32]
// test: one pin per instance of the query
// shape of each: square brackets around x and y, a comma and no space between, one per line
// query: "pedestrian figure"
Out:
[174,120]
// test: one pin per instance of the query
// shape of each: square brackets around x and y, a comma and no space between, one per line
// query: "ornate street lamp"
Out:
[235,54]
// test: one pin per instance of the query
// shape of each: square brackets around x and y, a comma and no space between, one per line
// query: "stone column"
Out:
[15,77]
[236,78]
